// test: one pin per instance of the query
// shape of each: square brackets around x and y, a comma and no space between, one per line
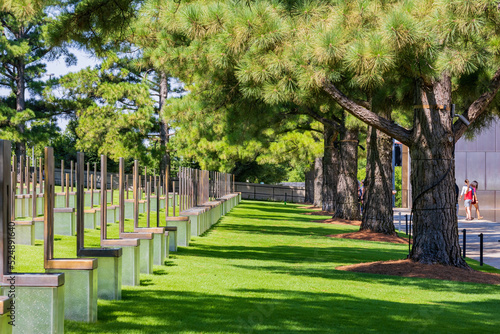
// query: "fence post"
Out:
[406,218]
[464,241]
[399,229]
[480,249]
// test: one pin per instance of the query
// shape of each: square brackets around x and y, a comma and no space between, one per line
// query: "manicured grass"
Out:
[267,268]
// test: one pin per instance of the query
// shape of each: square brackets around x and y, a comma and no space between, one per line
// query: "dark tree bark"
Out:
[431,143]
[318,182]
[330,169]
[433,178]
[164,138]
[309,186]
[347,187]
[377,200]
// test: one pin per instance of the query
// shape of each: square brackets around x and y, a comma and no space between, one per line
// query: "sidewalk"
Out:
[490,230]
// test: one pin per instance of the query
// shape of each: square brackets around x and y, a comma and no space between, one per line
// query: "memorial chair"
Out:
[181,225]
[39,297]
[81,273]
[159,239]
[143,253]
[130,246]
[109,271]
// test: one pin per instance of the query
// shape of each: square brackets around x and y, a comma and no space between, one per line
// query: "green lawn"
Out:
[265,267]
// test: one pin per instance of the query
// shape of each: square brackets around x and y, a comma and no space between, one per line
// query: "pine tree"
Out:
[228,136]
[115,109]
[23,41]
[294,51]
[350,50]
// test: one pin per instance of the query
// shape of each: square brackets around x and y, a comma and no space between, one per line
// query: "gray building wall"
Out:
[479,160]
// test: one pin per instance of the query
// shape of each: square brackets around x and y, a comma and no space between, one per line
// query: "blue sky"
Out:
[59,68]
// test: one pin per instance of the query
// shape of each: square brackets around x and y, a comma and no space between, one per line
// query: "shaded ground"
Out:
[360,235]
[317,211]
[309,207]
[408,268]
[405,268]
[339,221]
[370,236]
[267,268]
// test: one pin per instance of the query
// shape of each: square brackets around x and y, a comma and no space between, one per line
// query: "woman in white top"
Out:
[464,188]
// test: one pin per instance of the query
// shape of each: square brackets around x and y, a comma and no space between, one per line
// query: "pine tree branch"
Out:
[478,106]
[10,74]
[6,84]
[4,23]
[364,104]
[336,124]
[299,128]
[131,105]
[5,124]
[388,127]
[50,113]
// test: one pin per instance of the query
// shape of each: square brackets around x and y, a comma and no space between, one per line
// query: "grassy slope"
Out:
[267,268]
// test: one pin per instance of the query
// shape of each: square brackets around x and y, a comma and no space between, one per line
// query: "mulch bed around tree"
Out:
[317,211]
[371,236]
[339,221]
[309,207]
[403,268]
[408,268]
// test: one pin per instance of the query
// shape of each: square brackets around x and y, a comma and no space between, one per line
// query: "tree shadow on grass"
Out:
[160,272]
[168,263]
[266,216]
[317,230]
[146,282]
[273,208]
[296,254]
[283,311]
[393,282]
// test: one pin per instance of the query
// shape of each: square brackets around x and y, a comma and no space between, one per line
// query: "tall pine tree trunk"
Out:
[347,187]
[165,160]
[20,105]
[330,169]
[377,201]
[309,186]
[433,178]
[318,182]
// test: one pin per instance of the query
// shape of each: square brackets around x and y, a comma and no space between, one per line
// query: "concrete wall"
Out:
[270,192]
[479,159]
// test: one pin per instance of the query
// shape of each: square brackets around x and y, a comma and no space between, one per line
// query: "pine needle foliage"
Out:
[25,117]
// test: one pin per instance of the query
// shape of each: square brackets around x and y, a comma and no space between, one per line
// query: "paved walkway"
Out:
[489,228]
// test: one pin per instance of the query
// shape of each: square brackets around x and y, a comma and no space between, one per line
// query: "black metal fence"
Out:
[269,192]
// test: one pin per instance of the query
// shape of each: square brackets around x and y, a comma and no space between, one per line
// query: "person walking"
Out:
[464,188]
[475,202]
[469,194]
[463,191]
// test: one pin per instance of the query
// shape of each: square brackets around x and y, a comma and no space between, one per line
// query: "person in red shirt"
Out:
[469,195]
